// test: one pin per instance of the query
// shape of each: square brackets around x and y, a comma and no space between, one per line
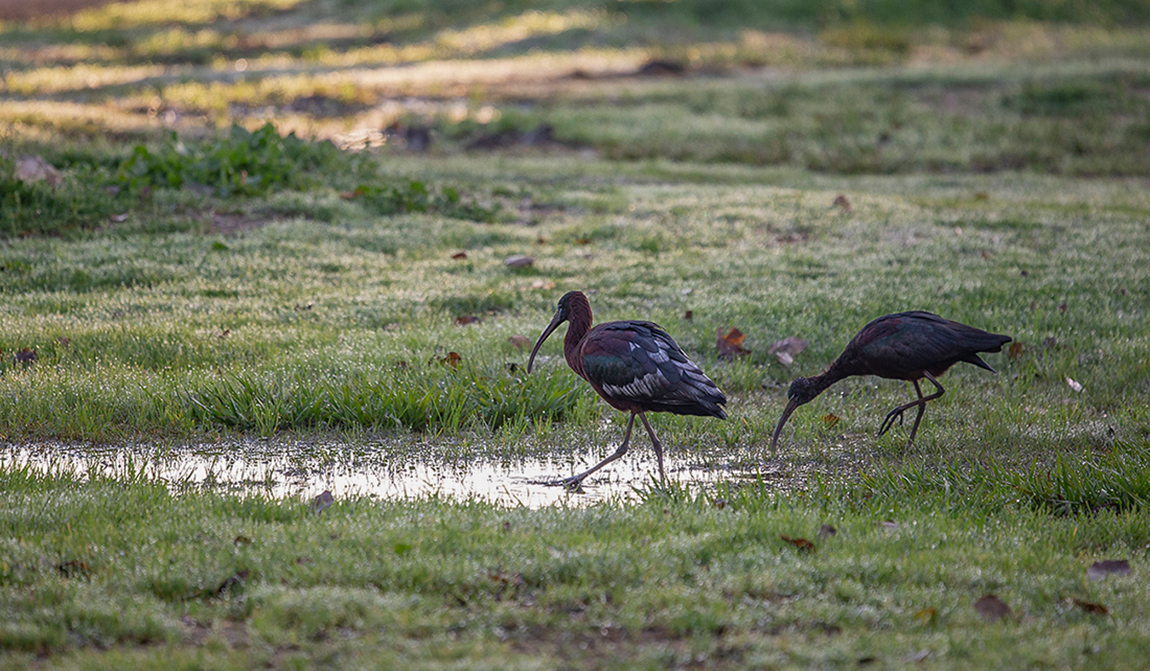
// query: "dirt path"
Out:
[17,10]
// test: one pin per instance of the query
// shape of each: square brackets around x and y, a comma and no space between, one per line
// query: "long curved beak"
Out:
[783,420]
[555,322]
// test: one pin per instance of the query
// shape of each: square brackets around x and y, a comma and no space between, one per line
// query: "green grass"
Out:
[125,574]
[238,253]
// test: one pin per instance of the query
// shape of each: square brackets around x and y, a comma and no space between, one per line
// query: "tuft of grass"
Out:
[244,163]
[1063,484]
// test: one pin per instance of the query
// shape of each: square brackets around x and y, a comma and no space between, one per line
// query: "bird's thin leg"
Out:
[574,482]
[657,444]
[920,402]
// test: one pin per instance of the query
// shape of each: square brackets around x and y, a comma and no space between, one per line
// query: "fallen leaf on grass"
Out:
[720,503]
[518,261]
[802,544]
[1101,569]
[323,501]
[786,349]
[63,341]
[918,656]
[731,345]
[1092,608]
[467,319]
[452,359]
[843,202]
[889,524]
[303,308]
[826,531]
[459,256]
[689,315]
[519,341]
[74,569]
[241,540]
[830,420]
[26,356]
[119,218]
[1016,350]
[991,608]
[928,615]
[1074,384]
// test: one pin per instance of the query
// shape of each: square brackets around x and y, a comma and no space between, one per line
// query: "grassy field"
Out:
[281,221]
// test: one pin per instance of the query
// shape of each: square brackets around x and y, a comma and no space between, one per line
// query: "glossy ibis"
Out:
[903,346]
[636,367]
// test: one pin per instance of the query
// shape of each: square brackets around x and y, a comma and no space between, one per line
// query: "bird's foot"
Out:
[888,423]
[573,484]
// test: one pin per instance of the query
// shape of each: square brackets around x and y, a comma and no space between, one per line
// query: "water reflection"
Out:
[306,471]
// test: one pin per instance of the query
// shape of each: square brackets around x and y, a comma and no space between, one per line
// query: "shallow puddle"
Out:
[305,472]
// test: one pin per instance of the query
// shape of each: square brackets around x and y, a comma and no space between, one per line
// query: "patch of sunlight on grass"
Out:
[530,24]
[162,12]
[57,79]
[32,118]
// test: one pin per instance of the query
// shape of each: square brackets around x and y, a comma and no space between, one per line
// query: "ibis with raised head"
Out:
[636,367]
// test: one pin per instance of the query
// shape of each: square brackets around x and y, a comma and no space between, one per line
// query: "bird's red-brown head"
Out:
[573,306]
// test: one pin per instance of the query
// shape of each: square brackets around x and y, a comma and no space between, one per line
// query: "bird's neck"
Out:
[578,324]
[834,372]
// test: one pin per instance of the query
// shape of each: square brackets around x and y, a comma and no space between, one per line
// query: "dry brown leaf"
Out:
[63,341]
[1016,350]
[519,341]
[927,615]
[459,256]
[802,544]
[519,261]
[991,608]
[452,359]
[720,503]
[843,202]
[225,333]
[582,241]
[303,308]
[241,540]
[986,254]
[830,420]
[786,349]
[1101,569]
[464,320]
[1093,608]
[1062,309]
[26,356]
[689,315]
[731,345]
[74,569]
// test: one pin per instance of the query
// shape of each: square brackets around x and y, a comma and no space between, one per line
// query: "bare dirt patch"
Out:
[22,10]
